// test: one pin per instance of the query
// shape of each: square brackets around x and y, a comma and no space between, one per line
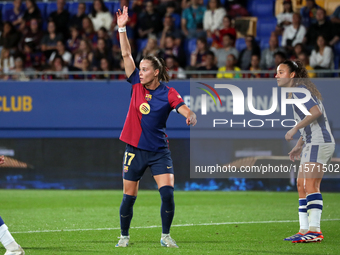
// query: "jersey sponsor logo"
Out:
[148,97]
[126,168]
[144,108]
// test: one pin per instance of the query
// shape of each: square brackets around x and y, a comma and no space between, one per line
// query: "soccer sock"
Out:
[314,208]
[126,213]
[167,207]
[6,238]
[303,215]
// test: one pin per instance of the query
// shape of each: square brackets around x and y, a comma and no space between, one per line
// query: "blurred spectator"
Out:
[170,48]
[170,11]
[105,67]
[34,60]
[252,48]
[197,58]
[61,18]
[213,17]
[308,13]
[237,9]
[226,29]
[303,57]
[151,49]
[322,56]
[88,31]
[58,65]
[122,69]
[267,55]
[6,62]
[17,72]
[293,34]
[73,42]
[84,52]
[285,18]
[103,34]
[229,66]
[170,30]
[298,48]
[222,53]
[32,12]
[254,66]
[321,27]
[192,20]
[61,51]
[209,65]
[100,15]
[77,19]
[15,15]
[279,57]
[9,37]
[149,21]
[32,37]
[335,17]
[49,41]
[102,51]
[174,71]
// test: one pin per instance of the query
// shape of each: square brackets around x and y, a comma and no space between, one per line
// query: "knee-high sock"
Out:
[126,213]
[303,215]
[314,208]
[6,238]
[167,207]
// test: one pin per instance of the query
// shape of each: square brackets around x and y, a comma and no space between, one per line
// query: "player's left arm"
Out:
[316,113]
[2,159]
[188,114]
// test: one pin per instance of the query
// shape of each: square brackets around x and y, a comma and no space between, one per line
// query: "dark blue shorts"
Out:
[136,161]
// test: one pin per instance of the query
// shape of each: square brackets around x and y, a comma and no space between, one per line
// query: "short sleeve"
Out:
[134,77]
[308,104]
[175,99]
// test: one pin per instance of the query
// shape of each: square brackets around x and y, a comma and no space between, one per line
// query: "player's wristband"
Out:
[122,29]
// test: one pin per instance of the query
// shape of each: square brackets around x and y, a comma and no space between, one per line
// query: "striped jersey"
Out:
[145,123]
[319,131]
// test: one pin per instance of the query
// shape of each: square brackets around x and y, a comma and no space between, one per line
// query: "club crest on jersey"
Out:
[148,97]
[144,108]
[126,168]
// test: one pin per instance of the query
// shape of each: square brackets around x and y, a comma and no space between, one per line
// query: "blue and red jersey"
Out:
[149,110]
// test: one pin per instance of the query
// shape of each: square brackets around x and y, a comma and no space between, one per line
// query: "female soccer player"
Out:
[143,131]
[315,149]
[11,246]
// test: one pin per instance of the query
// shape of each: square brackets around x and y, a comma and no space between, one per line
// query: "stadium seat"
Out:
[73,8]
[337,49]
[42,8]
[240,44]
[5,7]
[266,26]
[141,44]
[116,6]
[51,7]
[88,7]
[263,8]
[191,45]
[264,43]
[177,20]
[110,6]
[336,65]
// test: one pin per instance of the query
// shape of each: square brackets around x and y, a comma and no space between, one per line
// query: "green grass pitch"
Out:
[49,222]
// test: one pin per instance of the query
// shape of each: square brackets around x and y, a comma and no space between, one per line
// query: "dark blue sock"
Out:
[167,207]
[1,221]
[126,212]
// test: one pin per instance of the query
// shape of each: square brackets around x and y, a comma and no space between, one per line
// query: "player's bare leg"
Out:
[165,184]
[130,189]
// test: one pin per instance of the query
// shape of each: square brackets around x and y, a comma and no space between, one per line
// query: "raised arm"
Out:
[129,63]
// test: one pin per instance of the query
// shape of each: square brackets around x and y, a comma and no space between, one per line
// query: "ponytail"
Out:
[159,63]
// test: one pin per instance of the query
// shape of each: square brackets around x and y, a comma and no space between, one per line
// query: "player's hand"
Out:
[289,135]
[2,159]
[295,153]
[192,119]
[122,18]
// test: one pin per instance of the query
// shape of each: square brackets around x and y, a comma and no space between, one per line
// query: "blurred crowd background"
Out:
[221,36]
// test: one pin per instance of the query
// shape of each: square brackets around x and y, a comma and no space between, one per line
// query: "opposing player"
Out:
[315,148]
[11,246]
[143,131]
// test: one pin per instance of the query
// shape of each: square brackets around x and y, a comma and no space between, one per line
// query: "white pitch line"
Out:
[178,225]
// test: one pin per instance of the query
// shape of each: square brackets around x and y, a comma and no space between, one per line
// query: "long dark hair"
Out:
[290,9]
[218,4]
[317,48]
[301,77]
[104,8]
[159,63]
